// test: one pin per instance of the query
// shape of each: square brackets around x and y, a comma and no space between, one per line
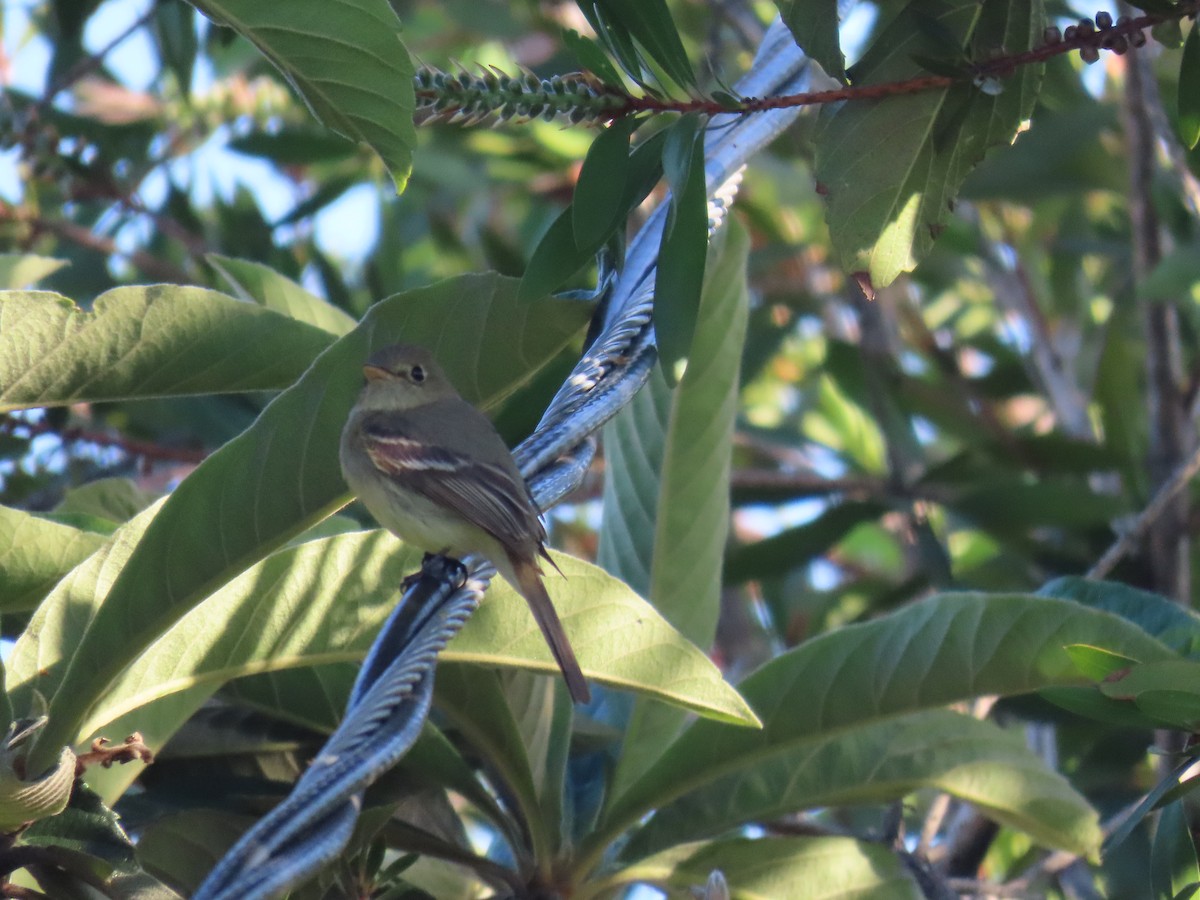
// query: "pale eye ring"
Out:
[417,374]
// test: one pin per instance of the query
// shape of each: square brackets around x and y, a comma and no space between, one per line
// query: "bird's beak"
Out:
[375,373]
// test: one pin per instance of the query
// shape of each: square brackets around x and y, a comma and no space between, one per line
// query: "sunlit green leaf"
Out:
[692,520]
[619,638]
[35,553]
[345,59]
[261,284]
[1096,662]
[21,270]
[139,342]
[885,209]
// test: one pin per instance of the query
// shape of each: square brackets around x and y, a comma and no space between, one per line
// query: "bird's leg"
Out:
[440,566]
[437,566]
[410,580]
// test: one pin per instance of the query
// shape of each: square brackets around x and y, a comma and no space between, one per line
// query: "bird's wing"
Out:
[493,497]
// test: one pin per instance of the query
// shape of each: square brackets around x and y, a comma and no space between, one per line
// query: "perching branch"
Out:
[582,98]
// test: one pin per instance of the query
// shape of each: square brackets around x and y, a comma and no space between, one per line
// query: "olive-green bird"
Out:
[432,469]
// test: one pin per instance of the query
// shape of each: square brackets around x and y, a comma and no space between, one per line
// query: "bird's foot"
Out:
[442,566]
[438,566]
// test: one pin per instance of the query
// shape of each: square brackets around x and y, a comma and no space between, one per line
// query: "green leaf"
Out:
[182,848]
[814,25]
[1175,625]
[87,838]
[883,762]
[885,209]
[1097,663]
[21,270]
[620,639]
[634,447]
[692,520]
[693,513]
[843,424]
[1013,506]
[292,609]
[597,208]
[559,255]
[313,697]
[114,499]
[260,284]
[140,342]
[477,708]
[944,649]
[795,547]
[815,868]
[45,647]
[1167,690]
[322,602]
[555,259]
[282,475]
[649,21]
[617,40]
[679,277]
[592,58]
[1173,863]
[345,59]
[34,554]
[1176,784]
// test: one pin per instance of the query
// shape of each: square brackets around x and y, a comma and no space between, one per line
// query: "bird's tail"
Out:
[529,583]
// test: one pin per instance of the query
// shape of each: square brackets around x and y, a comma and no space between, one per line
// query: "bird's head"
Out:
[403,376]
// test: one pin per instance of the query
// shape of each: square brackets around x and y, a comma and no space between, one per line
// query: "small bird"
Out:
[432,469]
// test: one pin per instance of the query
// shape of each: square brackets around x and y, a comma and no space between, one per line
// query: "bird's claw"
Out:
[438,566]
[442,566]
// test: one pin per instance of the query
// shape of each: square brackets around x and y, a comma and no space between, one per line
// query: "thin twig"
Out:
[1015,291]
[86,238]
[1165,532]
[933,823]
[804,484]
[131,446]
[1148,516]
[999,67]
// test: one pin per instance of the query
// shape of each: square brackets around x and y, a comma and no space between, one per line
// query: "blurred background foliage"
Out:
[991,421]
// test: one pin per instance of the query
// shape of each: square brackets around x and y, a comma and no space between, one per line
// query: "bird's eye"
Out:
[417,374]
